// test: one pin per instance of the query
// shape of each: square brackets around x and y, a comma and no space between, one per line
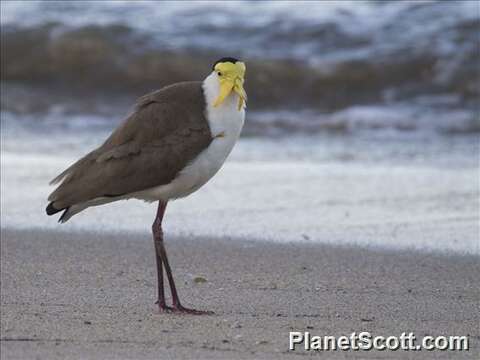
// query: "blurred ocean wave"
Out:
[341,67]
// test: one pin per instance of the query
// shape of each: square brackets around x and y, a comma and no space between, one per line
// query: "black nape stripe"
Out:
[225,59]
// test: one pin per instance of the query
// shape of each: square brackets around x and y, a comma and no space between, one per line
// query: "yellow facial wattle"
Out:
[231,77]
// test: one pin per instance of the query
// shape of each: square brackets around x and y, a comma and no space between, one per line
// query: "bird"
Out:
[173,142]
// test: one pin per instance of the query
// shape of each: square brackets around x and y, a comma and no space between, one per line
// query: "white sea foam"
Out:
[404,65]
[264,28]
[270,192]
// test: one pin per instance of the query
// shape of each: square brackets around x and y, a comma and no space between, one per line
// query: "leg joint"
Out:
[157,230]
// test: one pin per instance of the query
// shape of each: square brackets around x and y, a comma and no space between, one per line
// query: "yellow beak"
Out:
[232,78]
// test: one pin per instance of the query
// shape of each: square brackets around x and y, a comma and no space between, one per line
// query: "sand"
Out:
[91,295]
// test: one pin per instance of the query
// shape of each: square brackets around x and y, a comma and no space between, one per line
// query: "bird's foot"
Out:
[183,310]
[163,308]
[180,309]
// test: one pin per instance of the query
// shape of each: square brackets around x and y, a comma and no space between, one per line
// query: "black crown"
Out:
[224,59]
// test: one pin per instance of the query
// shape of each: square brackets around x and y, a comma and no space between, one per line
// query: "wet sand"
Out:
[91,295]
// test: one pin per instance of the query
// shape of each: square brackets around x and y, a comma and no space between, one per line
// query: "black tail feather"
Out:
[61,220]
[52,209]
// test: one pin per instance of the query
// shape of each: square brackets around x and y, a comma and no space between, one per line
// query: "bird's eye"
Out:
[219,73]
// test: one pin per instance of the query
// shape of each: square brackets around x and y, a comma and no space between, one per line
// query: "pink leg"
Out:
[158,239]
[162,259]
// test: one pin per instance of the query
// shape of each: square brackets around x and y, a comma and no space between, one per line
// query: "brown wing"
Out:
[167,131]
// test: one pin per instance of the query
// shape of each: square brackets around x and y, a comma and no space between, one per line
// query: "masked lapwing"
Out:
[175,140]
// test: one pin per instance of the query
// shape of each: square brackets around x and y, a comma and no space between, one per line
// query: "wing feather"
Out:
[162,135]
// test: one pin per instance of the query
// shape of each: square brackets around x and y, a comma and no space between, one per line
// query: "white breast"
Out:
[226,123]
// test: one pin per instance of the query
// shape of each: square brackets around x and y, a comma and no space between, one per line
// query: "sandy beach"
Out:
[91,295]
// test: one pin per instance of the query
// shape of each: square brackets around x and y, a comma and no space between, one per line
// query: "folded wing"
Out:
[163,135]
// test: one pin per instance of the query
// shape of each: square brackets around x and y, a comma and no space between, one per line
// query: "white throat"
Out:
[225,122]
[225,119]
